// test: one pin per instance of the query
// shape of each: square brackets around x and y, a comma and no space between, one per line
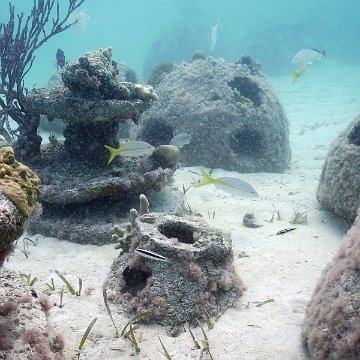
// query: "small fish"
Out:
[268,301]
[234,186]
[131,148]
[308,56]
[213,35]
[180,140]
[33,293]
[151,255]
[284,231]
[60,58]
[3,141]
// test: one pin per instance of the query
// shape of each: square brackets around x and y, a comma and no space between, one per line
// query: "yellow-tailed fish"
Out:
[234,186]
[298,73]
[131,148]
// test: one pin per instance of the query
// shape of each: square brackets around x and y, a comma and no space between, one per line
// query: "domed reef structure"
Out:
[81,194]
[231,111]
[339,186]
[331,329]
[176,269]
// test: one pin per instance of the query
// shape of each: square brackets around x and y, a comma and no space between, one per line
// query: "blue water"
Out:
[143,32]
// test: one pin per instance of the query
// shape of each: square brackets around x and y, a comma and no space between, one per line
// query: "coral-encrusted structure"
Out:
[19,189]
[332,324]
[81,195]
[231,111]
[25,332]
[18,182]
[198,275]
[339,186]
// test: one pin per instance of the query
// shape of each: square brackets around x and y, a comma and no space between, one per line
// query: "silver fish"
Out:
[3,141]
[151,255]
[213,36]
[308,56]
[180,140]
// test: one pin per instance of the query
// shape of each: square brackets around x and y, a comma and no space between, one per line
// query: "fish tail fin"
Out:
[324,53]
[113,153]
[206,179]
[296,74]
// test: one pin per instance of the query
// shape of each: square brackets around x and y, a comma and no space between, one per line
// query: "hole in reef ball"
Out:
[157,134]
[246,142]
[246,89]
[135,280]
[181,231]
[354,136]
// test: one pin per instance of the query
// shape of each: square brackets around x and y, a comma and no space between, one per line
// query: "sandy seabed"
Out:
[284,268]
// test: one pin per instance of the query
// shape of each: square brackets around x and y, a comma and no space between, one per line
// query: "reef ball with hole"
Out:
[198,276]
[231,111]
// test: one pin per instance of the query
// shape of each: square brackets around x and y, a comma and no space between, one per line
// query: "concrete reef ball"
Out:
[199,275]
[331,329]
[339,186]
[231,111]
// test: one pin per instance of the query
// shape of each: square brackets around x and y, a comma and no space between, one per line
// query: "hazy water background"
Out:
[143,33]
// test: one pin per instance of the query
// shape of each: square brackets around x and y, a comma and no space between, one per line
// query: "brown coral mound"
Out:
[18,182]
[332,325]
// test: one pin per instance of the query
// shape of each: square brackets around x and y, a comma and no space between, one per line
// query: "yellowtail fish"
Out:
[213,35]
[298,73]
[131,148]
[180,140]
[151,255]
[234,186]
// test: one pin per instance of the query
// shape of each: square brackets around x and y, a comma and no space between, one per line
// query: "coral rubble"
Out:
[331,329]
[234,117]
[198,275]
[339,185]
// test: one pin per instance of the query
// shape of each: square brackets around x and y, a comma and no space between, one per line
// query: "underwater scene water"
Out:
[179,180]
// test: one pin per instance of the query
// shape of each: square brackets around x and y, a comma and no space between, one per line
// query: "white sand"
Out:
[284,268]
